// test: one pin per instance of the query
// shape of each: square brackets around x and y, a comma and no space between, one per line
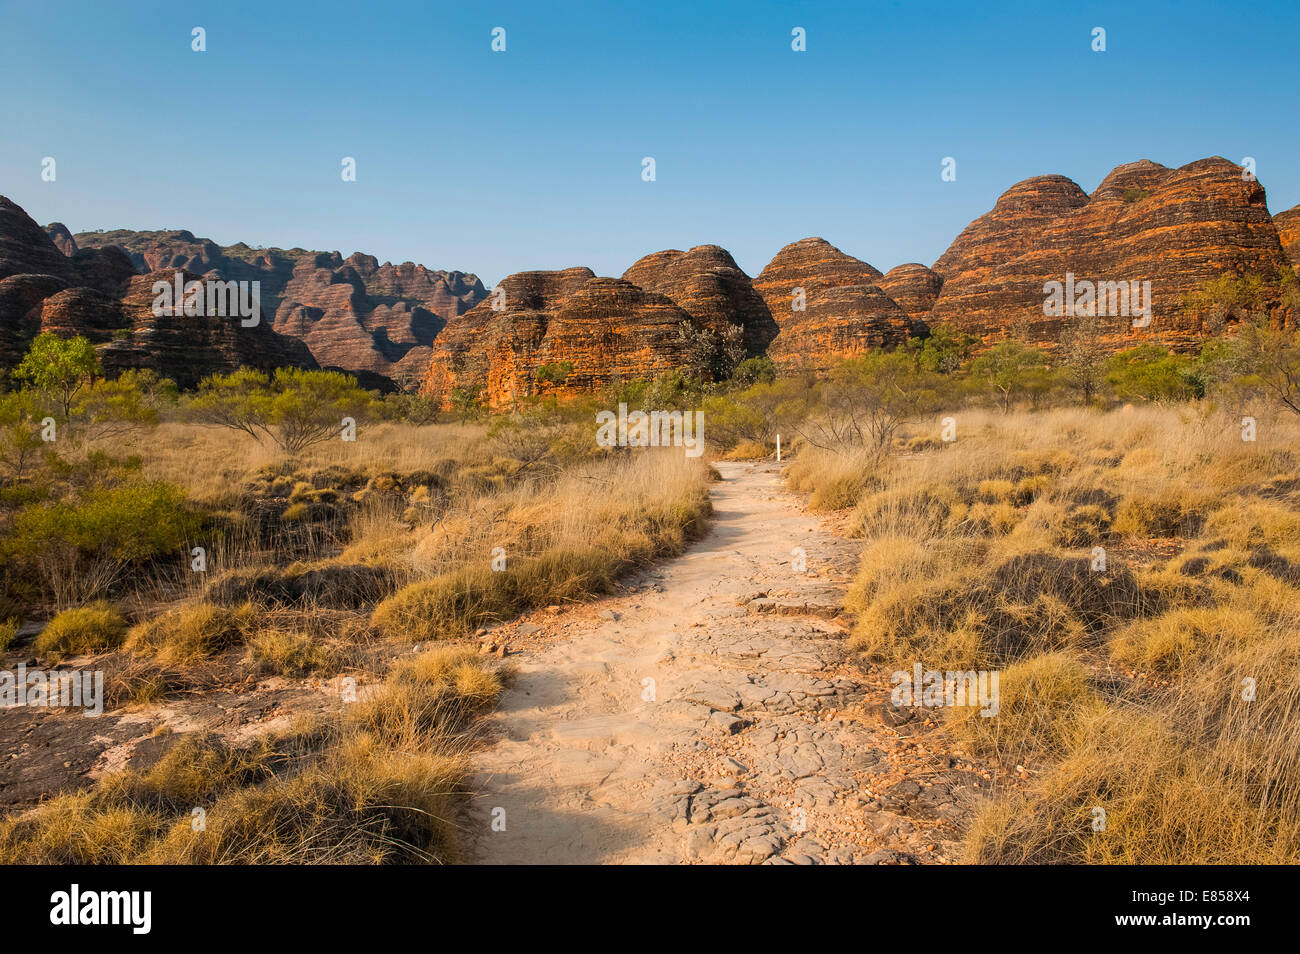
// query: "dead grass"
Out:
[189,633]
[87,629]
[381,784]
[324,564]
[750,450]
[1133,575]
[546,544]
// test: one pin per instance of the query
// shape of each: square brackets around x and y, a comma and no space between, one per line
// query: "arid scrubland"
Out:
[1128,571]
[1132,574]
[188,560]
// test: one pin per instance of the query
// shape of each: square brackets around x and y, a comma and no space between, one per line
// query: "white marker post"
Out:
[778,448]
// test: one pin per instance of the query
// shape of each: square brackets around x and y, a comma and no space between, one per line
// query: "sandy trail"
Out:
[709,716]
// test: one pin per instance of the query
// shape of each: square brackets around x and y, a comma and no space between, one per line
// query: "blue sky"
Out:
[531,158]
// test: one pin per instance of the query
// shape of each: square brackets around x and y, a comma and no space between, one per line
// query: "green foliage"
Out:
[295,408]
[59,369]
[1229,297]
[1215,369]
[1150,373]
[130,401]
[731,419]
[546,433]
[8,630]
[417,409]
[20,440]
[130,522]
[751,371]
[1136,195]
[759,412]
[1288,292]
[554,373]
[943,351]
[1084,356]
[676,389]
[864,400]
[466,402]
[1269,358]
[710,355]
[1012,370]
[81,544]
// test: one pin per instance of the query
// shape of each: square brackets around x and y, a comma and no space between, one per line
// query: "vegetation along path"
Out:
[710,714]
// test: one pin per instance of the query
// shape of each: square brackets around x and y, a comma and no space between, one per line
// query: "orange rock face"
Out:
[828,305]
[1288,231]
[709,286]
[1145,239]
[914,287]
[601,330]
[1174,228]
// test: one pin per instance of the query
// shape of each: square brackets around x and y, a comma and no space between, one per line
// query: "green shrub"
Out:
[554,373]
[80,546]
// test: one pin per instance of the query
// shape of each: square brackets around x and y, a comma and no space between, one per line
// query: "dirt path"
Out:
[709,716]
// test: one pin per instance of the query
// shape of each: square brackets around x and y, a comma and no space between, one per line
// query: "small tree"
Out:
[866,400]
[417,409]
[20,441]
[671,389]
[554,373]
[294,408]
[943,351]
[129,402]
[709,354]
[59,369]
[753,371]
[1269,357]
[466,402]
[1228,298]
[1083,356]
[1012,370]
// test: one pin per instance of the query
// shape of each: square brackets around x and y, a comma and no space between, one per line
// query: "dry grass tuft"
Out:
[87,629]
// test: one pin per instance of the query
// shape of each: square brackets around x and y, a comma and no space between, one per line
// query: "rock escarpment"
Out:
[709,286]
[828,306]
[1145,225]
[914,287]
[95,292]
[353,313]
[1174,228]
[1288,232]
[62,238]
[560,332]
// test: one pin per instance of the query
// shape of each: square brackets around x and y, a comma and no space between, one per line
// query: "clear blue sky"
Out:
[498,162]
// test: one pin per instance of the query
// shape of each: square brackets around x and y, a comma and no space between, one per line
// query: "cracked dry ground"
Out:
[763,742]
